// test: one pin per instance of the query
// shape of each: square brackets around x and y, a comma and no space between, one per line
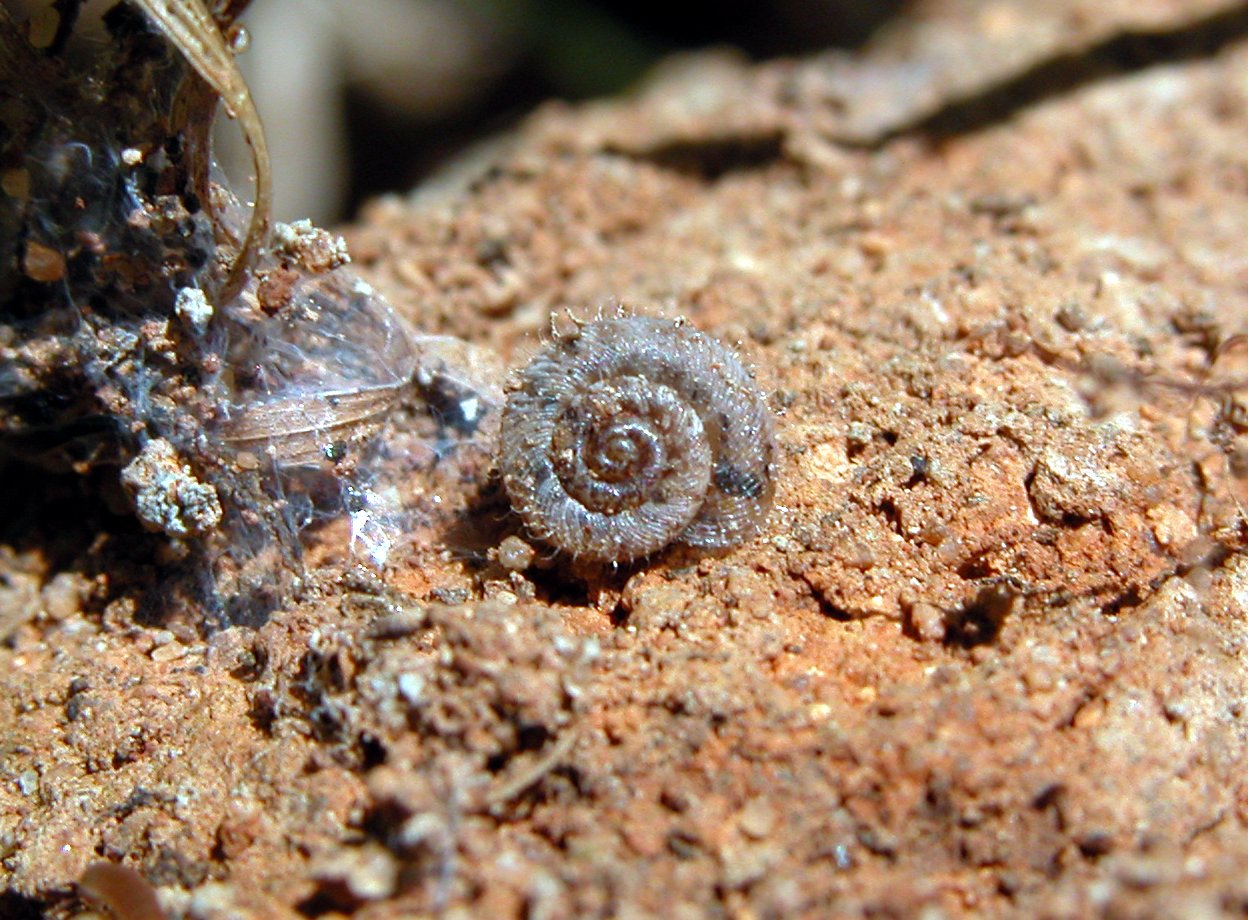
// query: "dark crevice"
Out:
[482,525]
[15,906]
[584,584]
[1124,601]
[712,158]
[888,508]
[1029,481]
[1094,844]
[325,901]
[980,621]
[263,710]
[372,752]
[551,586]
[531,738]
[1049,797]
[832,611]
[826,607]
[1122,53]
[619,614]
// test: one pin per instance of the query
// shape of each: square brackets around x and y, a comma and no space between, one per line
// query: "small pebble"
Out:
[368,872]
[28,782]
[757,819]
[169,652]
[515,554]
[62,595]
[928,622]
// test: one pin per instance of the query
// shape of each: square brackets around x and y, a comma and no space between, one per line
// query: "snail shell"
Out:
[634,433]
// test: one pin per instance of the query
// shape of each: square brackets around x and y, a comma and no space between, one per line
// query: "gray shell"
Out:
[634,433]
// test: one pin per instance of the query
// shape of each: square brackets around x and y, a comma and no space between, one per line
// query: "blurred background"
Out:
[369,96]
[363,97]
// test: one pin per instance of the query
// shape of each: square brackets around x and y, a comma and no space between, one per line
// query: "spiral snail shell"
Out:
[633,433]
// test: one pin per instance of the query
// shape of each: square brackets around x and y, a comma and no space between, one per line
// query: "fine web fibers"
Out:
[315,389]
[250,384]
[235,380]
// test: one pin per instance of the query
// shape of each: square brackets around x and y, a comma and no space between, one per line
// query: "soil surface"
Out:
[990,656]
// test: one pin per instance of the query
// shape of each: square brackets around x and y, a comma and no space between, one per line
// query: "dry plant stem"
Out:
[509,788]
[193,30]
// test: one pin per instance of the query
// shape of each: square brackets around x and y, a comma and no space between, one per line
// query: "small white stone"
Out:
[369,872]
[28,782]
[166,494]
[193,309]
[411,688]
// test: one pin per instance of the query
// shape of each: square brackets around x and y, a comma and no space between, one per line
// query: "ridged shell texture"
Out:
[633,433]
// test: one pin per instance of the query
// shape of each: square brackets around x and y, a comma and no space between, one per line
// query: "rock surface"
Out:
[989,658]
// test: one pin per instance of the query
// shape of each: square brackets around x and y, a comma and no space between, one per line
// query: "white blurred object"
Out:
[423,58]
[419,58]
[293,69]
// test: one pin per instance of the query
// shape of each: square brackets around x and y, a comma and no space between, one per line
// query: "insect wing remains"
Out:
[335,384]
[322,371]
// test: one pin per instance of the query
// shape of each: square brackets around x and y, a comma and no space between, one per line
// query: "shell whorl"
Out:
[634,433]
